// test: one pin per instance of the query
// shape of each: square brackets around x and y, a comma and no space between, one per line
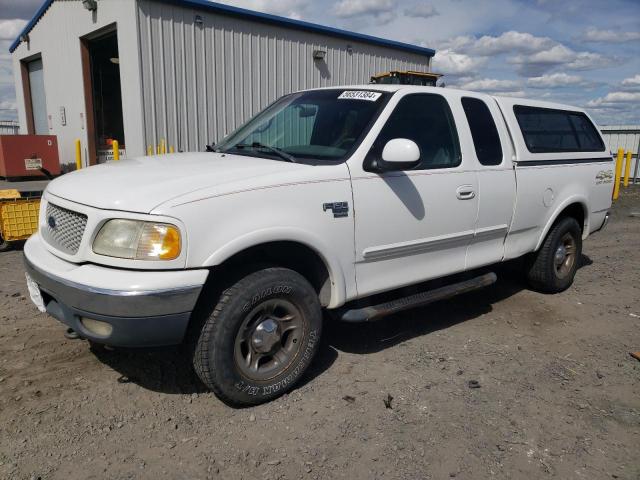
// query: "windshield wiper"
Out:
[281,153]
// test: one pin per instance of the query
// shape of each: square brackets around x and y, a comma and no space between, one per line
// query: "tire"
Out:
[4,245]
[553,268]
[261,337]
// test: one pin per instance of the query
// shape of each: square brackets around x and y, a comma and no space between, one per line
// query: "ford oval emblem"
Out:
[51,221]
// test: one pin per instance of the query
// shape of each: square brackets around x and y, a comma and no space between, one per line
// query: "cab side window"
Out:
[483,131]
[427,120]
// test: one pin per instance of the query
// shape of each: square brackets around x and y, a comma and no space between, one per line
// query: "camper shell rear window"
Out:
[547,130]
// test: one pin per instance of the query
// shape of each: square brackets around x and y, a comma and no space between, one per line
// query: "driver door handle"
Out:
[465,192]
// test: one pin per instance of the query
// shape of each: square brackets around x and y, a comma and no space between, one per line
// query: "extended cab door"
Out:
[496,178]
[417,224]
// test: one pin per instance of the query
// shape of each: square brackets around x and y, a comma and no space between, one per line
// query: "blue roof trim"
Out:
[27,28]
[265,18]
[302,25]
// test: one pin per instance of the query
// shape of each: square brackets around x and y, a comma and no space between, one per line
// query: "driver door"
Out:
[414,225]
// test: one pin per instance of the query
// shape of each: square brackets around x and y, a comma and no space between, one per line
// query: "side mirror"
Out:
[402,153]
[398,154]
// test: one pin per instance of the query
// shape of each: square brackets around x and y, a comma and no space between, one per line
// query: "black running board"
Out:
[376,312]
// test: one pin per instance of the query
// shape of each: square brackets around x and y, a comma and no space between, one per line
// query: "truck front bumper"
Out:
[127,308]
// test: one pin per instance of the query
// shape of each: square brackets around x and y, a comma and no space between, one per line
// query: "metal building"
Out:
[626,137]
[183,71]
[9,127]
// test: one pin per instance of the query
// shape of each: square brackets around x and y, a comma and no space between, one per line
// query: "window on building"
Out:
[549,130]
[38,99]
[427,120]
[483,131]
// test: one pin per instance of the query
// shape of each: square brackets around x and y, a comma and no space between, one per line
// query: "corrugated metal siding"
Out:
[626,137]
[9,127]
[202,81]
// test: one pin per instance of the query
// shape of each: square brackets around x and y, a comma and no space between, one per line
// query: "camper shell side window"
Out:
[547,130]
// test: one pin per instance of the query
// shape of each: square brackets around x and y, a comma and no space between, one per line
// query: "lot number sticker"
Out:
[360,95]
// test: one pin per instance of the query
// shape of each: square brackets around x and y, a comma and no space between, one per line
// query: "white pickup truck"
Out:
[330,199]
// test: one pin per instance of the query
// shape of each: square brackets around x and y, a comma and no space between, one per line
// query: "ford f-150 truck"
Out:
[353,201]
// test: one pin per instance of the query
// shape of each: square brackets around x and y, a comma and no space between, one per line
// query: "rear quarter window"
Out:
[548,130]
[484,133]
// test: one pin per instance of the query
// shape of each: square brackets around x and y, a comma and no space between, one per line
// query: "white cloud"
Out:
[459,43]
[353,8]
[8,104]
[631,83]
[288,8]
[615,100]
[511,41]
[533,55]
[453,63]
[10,29]
[423,10]
[507,42]
[589,61]
[492,85]
[555,80]
[558,55]
[554,55]
[6,74]
[519,94]
[609,36]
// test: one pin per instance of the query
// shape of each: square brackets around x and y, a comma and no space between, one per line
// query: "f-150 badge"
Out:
[339,209]
[604,176]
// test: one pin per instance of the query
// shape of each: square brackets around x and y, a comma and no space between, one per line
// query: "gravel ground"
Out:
[557,392]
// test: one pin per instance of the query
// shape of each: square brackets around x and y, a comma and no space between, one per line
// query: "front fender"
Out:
[289,234]
[223,224]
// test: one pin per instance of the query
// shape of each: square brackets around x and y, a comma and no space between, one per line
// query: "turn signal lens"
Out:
[138,240]
[158,241]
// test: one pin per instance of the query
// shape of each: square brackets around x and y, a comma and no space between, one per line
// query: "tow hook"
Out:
[71,334]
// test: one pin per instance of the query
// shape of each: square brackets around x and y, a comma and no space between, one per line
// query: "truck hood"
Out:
[141,184]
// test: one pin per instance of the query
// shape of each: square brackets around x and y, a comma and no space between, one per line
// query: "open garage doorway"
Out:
[103,95]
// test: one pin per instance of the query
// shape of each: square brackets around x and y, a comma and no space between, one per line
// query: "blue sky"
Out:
[580,52]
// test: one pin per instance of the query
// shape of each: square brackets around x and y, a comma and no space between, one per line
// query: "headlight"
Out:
[138,240]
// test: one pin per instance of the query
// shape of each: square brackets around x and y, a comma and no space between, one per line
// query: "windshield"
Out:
[321,125]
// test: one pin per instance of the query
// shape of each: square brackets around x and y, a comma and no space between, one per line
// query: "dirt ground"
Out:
[558,396]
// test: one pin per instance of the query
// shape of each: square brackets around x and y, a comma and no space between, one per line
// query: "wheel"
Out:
[260,338]
[553,267]
[4,245]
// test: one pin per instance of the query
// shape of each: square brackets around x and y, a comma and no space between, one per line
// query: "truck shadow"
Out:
[164,370]
[366,338]
[168,370]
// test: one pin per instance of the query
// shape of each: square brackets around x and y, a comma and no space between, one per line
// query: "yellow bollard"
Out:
[616,181]
[116,150]
[78,155]
[149,150]
[163,146]
[627,169]
[171,150]
[158,151]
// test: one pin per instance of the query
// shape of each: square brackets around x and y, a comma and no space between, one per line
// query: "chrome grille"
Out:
[63,229]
